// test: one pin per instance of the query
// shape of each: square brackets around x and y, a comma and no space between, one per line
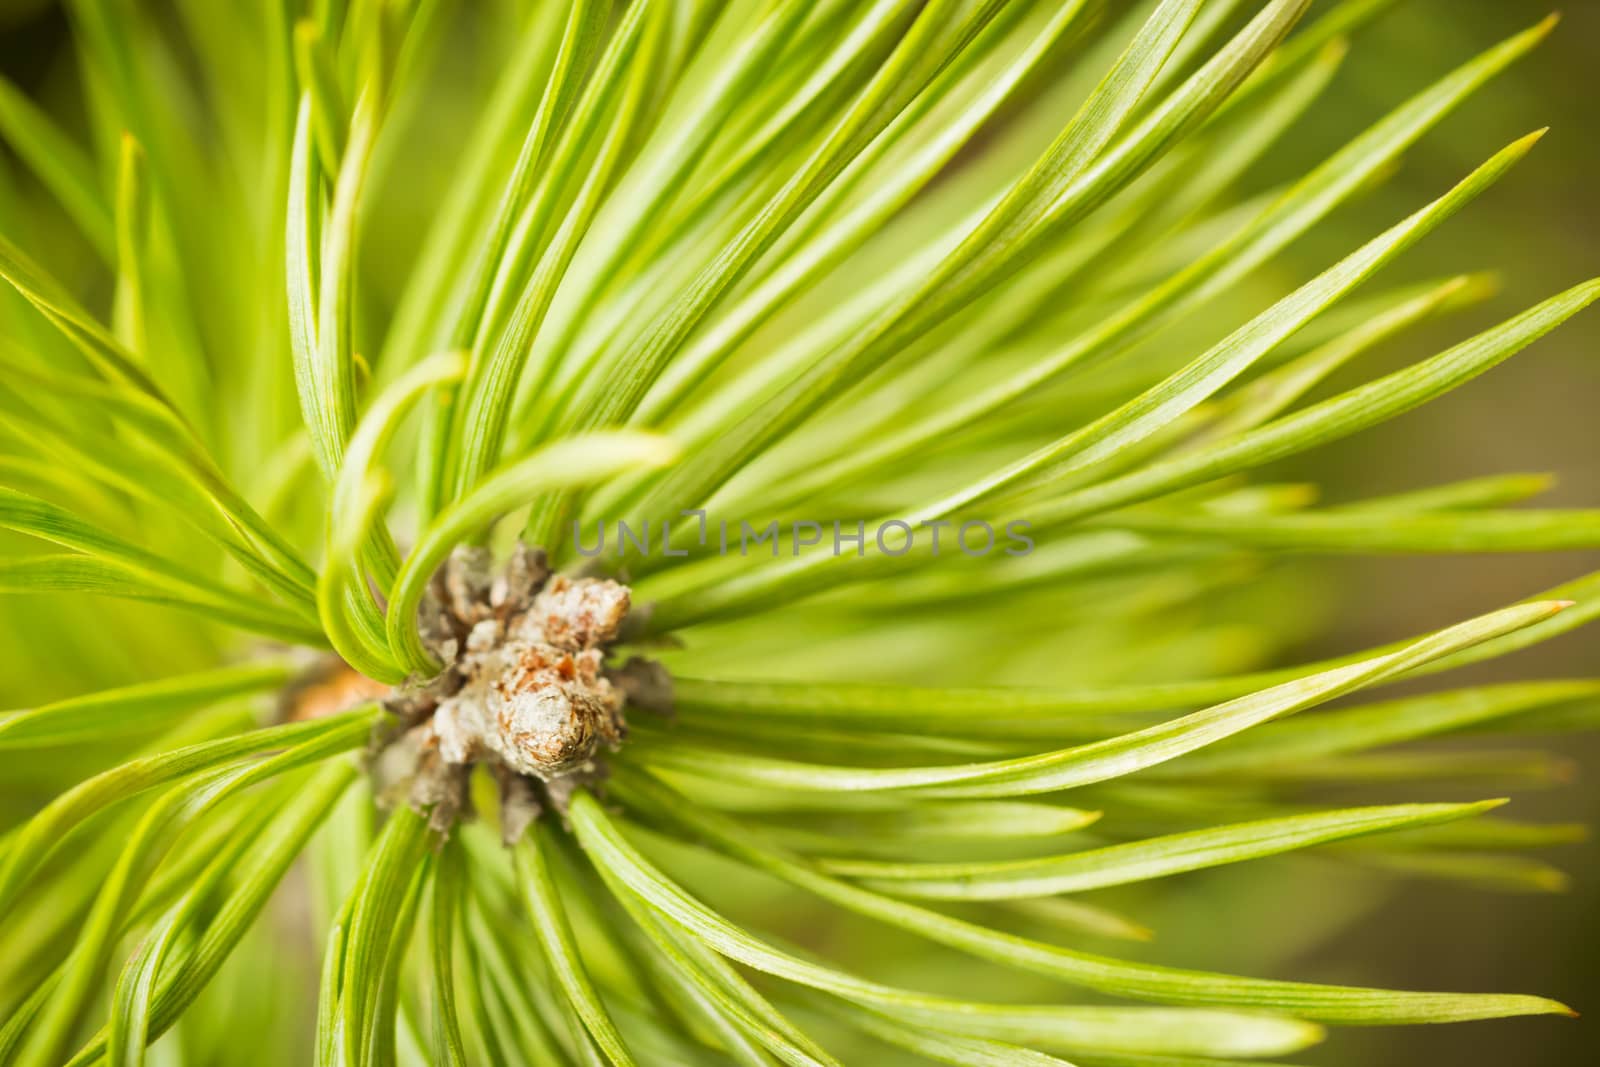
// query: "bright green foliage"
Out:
[303,297]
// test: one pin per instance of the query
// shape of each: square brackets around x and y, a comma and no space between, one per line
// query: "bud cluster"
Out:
[526,689]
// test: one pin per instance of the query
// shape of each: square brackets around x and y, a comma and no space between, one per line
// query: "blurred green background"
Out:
[1541,228]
